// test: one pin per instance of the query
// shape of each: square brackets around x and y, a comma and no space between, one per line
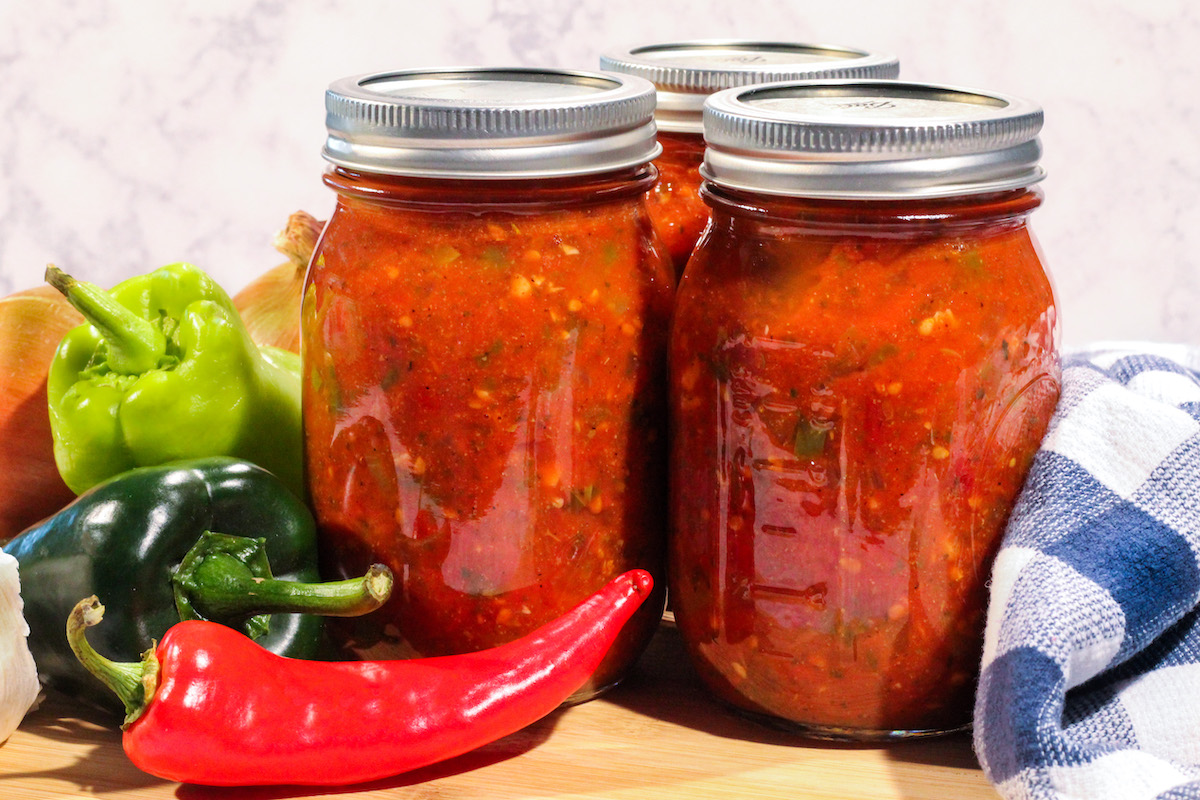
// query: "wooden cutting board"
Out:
[656,736]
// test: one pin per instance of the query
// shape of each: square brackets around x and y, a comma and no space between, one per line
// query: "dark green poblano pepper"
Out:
[214,538]
[164,370]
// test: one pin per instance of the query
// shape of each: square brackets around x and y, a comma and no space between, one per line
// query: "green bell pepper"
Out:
[173,542]
[164,370]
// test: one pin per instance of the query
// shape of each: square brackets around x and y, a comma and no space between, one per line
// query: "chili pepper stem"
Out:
[133,683]
[134,344]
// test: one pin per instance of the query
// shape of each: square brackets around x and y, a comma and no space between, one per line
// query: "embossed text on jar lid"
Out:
[490,123]
[685,73]
[870,140]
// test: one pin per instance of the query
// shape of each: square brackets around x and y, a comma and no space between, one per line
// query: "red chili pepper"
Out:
[210,706]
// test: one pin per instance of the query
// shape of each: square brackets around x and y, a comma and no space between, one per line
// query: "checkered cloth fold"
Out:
[1090,687]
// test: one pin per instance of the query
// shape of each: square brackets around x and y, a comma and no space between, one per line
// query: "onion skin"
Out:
[32,323]
[270,305]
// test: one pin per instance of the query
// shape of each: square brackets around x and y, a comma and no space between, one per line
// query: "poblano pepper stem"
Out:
[133,683]
[134,344]
[227,579]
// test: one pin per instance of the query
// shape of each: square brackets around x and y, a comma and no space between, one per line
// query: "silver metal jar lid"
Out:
[685,73]
[870,140]
[488,123]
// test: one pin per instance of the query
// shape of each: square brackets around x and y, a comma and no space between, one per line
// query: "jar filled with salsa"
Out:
[864,359]
[484,336]
[684,75]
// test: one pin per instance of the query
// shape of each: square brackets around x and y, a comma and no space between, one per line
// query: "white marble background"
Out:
[142,132]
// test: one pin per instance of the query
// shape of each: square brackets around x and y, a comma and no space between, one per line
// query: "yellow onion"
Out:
[32,323]
[270,305]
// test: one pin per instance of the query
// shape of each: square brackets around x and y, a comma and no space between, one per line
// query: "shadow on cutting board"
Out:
[666,686]
[96,767]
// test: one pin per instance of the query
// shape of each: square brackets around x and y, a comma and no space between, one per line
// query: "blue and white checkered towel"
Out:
[1091,668]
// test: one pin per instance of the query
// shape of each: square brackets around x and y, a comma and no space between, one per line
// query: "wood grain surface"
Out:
[655,736]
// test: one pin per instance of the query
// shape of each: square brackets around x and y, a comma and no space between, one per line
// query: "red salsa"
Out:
[675,205]
[858,389]
[485,404]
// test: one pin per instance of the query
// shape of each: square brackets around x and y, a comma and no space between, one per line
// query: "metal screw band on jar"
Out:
[870,140]
[685,73]
[487,123]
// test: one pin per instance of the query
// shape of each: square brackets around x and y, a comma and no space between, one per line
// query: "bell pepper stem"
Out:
[134,684]
[227,579]
[134,344]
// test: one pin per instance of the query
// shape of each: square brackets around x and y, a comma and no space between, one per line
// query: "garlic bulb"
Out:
[19,687]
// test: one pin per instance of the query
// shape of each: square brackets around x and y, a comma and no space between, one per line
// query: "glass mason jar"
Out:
[864,359]
[484,335]
[685,74]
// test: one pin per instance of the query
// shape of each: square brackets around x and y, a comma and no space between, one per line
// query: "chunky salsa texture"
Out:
[857,396]
[675,205]
[484,405]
